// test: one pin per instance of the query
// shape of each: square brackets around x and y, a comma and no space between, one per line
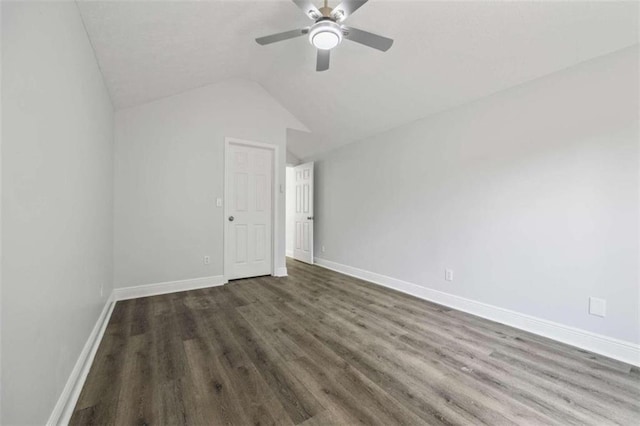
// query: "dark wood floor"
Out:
[321,348]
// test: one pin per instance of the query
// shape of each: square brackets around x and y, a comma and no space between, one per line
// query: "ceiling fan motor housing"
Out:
[326,11]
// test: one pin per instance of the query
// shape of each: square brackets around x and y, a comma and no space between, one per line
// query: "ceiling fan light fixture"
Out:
[325,35]
[327,30]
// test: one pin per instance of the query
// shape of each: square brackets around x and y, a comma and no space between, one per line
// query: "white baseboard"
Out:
[289,253]
[134,292]
[618,349]
[280,272]
[69,397]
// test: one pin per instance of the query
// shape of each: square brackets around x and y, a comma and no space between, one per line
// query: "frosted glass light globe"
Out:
[325,35]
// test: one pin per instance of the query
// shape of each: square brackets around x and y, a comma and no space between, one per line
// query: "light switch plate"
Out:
[218,202]
[597,307]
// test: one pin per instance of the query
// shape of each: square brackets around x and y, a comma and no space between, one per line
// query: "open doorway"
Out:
[299,212]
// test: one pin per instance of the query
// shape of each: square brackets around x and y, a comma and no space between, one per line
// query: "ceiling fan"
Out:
[328,31]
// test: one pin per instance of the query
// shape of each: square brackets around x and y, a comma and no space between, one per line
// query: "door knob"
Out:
[309,217]
[231,218]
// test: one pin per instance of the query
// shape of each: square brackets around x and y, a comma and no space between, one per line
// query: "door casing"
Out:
[274,197]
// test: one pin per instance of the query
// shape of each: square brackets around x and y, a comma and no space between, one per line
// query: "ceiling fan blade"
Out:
[346,9]
[323,60]
[281,36]
[368,39]
[308,8]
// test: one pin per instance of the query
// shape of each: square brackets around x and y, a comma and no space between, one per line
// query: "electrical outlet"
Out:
[448,274]
[322,249]
[597,307]
[206,260]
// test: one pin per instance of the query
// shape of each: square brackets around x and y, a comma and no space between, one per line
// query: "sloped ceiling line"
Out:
[445,54]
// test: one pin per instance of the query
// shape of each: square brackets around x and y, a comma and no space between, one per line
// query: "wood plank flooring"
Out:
[321,348]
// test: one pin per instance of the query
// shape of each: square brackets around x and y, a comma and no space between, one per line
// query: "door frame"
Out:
[275,184]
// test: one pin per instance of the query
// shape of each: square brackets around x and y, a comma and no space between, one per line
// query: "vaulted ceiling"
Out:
[445,54]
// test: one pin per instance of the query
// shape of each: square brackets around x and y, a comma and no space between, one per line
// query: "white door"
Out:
[248,211]
[303,227]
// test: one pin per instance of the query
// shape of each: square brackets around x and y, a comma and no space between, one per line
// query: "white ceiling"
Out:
[445,54]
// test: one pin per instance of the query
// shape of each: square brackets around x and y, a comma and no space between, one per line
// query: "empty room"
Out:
[312,212]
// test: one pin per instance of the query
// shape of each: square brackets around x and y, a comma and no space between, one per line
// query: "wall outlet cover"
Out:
[448,274]
[597,307]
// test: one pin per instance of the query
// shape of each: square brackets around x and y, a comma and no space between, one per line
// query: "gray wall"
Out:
[291,159]
[169,169]
[57,174]
[529,195]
